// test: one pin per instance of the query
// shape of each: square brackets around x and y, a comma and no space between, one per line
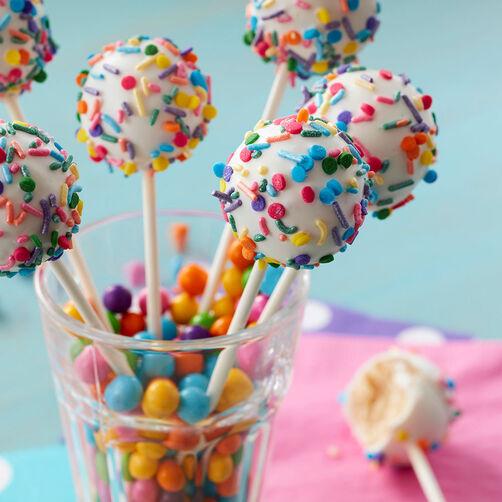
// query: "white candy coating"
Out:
[397,397]
[38,184]
[367,103]
[144,104]
[274,201]
[313,35]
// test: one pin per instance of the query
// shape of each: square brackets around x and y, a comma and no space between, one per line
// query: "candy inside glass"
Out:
[134,456]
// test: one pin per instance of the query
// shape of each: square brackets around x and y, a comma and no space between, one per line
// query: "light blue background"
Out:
[437,261]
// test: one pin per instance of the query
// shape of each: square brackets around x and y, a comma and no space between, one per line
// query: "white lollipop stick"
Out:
[12,105]
[151,254]
[84,276]
[280,291]
[226,359]
[114,358]
[269,112]
[424,473]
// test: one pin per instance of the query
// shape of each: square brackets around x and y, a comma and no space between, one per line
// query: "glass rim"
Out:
[55,311]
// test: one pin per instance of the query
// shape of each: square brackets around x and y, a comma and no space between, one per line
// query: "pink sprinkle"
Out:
[284,18]
[254,186]
[358,215]
[386,74]
[308,195]
[335,152]
[120,116]
[302,4]
[61,214]
[245,155]
[153,87]
[384,100]
[31,210]
[10,263]
[335,87]
[22,239]
[292,126]
[283,238]
[39,152]
[95,121]
[312,107]
[361,118]
[2,233]
[262,222]
[14,168]
[367,109]
[279,182]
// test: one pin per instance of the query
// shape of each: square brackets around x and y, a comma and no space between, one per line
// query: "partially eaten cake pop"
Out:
[311,37]
[295,191]
[144,104]
[391,123]
[396,398]
[39,198]
[26,45]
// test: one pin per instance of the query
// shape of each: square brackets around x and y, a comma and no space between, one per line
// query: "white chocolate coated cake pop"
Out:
[390,121]
[40,206]
[26,45]
[398,397]
[144,104]
[294,191]
[311,36]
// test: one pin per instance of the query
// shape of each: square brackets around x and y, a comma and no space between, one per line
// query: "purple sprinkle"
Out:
[222,196]
[411,107]
[32,25]
[177,112]
[127,108]
[345,117]
[197,133]
[302,259]
[405,79]
[232,207]
[97,131]
[345,138]
[34,257]
[186,51]
[421,127]
[332,25]
[130,150]
[364,208]
[368,78]
[1,188]
[52,200]
[259,203]
[258,37]
[306,94]
[297,56]
[168,71]
[336,236]
[46,216]
[274,15]
[348,28]
[111,69]
[227,173]
[372,24]
[342,69]
[340,215]
[91,90]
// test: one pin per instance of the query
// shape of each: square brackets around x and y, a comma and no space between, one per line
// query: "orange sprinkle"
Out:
[190,57]
[95,59]
[303,115]
[96,108]
[171,126]
[20,218]
[178,80]
[179,234]
[292,37]
[344,6]
[19,34]
[170,47]
[19,149]
[410,168]
[76,216]
[9,207]
[82,107]
[280,137]
[246,190]
[123,144]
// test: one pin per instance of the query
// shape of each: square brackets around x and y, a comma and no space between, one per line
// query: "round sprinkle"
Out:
[151,50]
[128,82]
[327,196]
[279,182]
[345,159]
[259,203]
[27,184]
[329,165]
[430,176]
[308,194]
[218,169]
[317,152]
[298,174]
[276,211]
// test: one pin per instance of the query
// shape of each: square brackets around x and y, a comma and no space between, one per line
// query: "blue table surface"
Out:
[422,265]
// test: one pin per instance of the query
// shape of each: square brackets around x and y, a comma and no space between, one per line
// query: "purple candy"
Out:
[117,299]
[172,497]
[259,203]
[345,117]
[195,333]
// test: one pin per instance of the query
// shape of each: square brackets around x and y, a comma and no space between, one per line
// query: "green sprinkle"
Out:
[54,238]
[263,185]
[10,154]
[235,195]
[36,240]
[75,199]
[151,50]
[154,116]
[109,138]
[326,258]
[311,134]
[385,166]
[67,163]
[42,136]
[385,202]
[20,127]
[329,165]
[256,154]
[231,219]
[259,238]
[28,197]
[27,184]
[345,159]
[382,214]
[399,186]
[284,229]
[252,138]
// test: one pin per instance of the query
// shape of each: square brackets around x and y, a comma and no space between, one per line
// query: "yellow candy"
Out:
[350,48]
[162,61]
[182,99]
[151,450]
[188,465]
[71,310]
[427,158]
[300,238]
[160,163]
[237,388]
[194,102]
[232,282]
[13,57]
[209,112]
[263,170]
[141,467]
[125,447]
[223,306]
[129,168]
[82,136]
[220,467]
[320,67]
[161,398]
[183,308]
[159,436]
[193,142]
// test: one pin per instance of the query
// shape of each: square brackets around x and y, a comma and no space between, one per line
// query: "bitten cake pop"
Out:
[391,123]
[144,104]
[294,191]
[39,198]
[396,398]
[312,36]
[26,45]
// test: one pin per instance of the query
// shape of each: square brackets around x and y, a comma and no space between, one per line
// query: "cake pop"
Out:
[391,123]
[311,37]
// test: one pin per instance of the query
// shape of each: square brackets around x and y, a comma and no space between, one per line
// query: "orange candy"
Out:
[229,445]
[221,325]
[188,362]
[182,439]
[192,279]
[170,476]
[235,256]
[220,467]
[229,487]
[132,323]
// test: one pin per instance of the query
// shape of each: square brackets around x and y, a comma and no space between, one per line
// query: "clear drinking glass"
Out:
[127,456]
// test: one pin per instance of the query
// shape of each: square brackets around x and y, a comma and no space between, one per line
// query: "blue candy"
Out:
[430,176]
[194,380]
[311,33]
[156,364]
[334,36]
[169,329]
[194,405]
[123,393]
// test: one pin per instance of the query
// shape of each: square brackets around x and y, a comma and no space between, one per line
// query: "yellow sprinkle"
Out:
[323,230]
[160,163]
[82,135]
[13,57]
[427,158]
[247,134]
[259,125]
[237,168]
[402,436]
[182,99]
[430,143]
[320,67]
[74,171]
[263,170]
[378,179]
[300,238]
[323,15]
[223,186]
[143,65]
[245,173]
[80,207]
[323,109]
[261,264]
[162,61]
[193,142]
[417,101]
[363,83]
[209,112]
[144,86]
[139,102]
[129,168]
[244,233]
[202,93]
[267,4]
[353,182]
[194,102]
[271,260]
[134,41]
[328,125]
[351,47]
[63,195]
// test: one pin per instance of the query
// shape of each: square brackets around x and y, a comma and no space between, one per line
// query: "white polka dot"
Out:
[317,316]
[5,474]
[421,335]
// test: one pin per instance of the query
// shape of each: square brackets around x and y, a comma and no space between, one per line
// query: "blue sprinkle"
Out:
[290,156]
[352,190]
[58,146]
[17,5]
[271,190]
[335,186]
[430,176]
[322,129]
[127,49]
[342,126]
[3,142]
[363,35]
[327,196]
[166,147]
[7,175]
[298,173]
[198,79]
[111,122]
[311,33]
[348,233]
[5,21]
[57,156]
[353,4]
[306,162]
[97,76]
[154,154]
[258,146]
[317,152]
[337,97]
[218,169]
[334,36]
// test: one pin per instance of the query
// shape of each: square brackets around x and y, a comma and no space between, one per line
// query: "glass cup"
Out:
[153,449]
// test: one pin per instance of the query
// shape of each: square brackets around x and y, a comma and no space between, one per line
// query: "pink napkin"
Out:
[310,423]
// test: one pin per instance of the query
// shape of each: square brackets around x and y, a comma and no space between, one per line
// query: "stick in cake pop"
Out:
[41,206]
[390,121]
[144,104]
[294,193]
[26,46]
[399,406]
